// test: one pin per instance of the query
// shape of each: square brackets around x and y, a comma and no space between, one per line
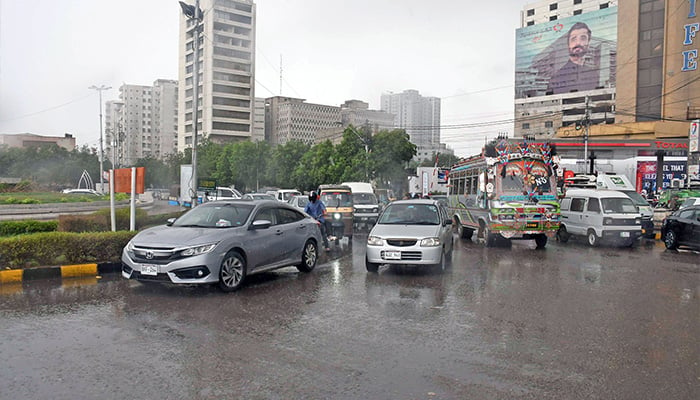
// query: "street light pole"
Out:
[194,13]
[102,152]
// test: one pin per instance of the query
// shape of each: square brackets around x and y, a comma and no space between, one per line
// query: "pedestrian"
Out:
[316,209]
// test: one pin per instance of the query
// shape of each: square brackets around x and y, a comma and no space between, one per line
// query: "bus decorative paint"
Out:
[507,192]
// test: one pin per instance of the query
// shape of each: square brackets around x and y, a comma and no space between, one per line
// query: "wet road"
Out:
[569,322]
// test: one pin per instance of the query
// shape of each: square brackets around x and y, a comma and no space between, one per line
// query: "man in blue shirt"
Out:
[317,209]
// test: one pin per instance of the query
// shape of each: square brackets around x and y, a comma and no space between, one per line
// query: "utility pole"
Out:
[587,124]
[102,152]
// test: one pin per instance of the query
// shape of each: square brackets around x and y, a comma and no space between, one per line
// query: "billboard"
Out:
[570,54]
[646,174]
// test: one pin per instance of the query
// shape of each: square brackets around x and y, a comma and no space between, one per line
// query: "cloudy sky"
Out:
[332,50]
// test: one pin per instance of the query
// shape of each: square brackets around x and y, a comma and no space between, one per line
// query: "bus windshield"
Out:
[520,176]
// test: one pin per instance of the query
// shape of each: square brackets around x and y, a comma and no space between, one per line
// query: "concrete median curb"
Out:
[58,271]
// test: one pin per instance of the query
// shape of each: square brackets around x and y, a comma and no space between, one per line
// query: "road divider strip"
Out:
[10,276]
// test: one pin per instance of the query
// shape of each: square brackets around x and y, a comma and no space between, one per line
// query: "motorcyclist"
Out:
[317,209]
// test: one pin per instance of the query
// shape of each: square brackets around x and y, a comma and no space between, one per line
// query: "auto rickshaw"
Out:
[339,210]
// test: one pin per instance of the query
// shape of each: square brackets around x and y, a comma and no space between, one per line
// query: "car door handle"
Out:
[279,232]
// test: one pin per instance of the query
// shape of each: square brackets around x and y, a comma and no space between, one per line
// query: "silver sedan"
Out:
[224,242]
[414,232]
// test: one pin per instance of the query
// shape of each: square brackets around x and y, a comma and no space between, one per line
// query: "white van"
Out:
[600,216]
[365,204]
[285,194]
[622,184]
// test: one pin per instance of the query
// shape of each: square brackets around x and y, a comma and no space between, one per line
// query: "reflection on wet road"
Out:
[567,322]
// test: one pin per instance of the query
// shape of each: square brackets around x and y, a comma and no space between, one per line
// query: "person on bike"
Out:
[317,209]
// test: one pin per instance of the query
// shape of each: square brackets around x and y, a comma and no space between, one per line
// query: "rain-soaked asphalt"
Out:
[569,322]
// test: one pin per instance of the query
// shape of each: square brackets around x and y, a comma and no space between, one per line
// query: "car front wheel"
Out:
[671,239]
[232,272]
[593,239]
[371,267]
[309,256]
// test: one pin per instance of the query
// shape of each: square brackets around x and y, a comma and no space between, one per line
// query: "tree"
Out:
[316,167]
[284,159]
[444,160]
[391,151]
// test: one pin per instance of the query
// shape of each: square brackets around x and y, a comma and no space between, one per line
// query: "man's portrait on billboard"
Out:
[573,54]
[580,72]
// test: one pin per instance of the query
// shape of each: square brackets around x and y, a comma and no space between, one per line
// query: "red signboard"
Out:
[122,180]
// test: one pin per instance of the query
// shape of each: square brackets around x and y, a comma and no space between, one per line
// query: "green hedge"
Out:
[57,248]
[12,228]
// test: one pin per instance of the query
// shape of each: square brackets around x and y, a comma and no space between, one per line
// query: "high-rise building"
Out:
[289,118]
[142,123]
[566,59]
[419,116]
[226,73]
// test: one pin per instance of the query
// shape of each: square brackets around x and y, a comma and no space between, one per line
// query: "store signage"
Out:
[670,145]
[690,57]
[693,136]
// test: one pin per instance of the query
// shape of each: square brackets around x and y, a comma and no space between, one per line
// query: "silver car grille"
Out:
[401,242]
[153,255]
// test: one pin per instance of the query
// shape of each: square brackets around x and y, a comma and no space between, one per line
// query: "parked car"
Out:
[223,242]
[299,201]
[258,196]
[414,232]
[682,228]
[600,215]
[689,201]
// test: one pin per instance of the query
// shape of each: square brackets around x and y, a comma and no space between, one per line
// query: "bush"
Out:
[12,228]
[53,248]
[83,223]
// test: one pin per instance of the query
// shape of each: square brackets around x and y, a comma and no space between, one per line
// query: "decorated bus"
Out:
[508,192]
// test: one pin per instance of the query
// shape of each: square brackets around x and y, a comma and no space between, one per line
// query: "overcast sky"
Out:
[51,51]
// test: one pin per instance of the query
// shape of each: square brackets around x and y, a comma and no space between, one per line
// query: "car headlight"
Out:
[197,250]
[430,242]
[337,216]
[374,241]
[608,221]
[130,246]
[637,221]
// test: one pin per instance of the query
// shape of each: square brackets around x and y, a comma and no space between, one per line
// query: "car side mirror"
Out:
[447,221]
[261,224]
[170,221]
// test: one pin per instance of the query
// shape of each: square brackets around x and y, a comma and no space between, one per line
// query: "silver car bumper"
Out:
[182,271]
[404,255]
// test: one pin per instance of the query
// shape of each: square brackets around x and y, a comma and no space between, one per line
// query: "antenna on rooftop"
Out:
[280,74]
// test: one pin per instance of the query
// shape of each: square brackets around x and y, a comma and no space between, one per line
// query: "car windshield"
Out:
[637,198]
[364,198]
[212,215]
[618,205]
[288,195]
[336,199]
[301,201]
[410,214]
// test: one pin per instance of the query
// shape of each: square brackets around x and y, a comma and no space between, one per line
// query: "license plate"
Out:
[531,225]
[392,255]
[624,234]
[148,269]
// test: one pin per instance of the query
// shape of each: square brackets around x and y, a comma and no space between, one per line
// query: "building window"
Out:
[530,23]
[531,12]
[602,6]
[553,18]
[548,124]
[526,125]
[577,2]
[552,7]
[578,12]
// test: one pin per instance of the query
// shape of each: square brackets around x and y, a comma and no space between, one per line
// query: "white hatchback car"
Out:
[411,232]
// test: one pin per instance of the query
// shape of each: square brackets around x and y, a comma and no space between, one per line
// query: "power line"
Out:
[48,109]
